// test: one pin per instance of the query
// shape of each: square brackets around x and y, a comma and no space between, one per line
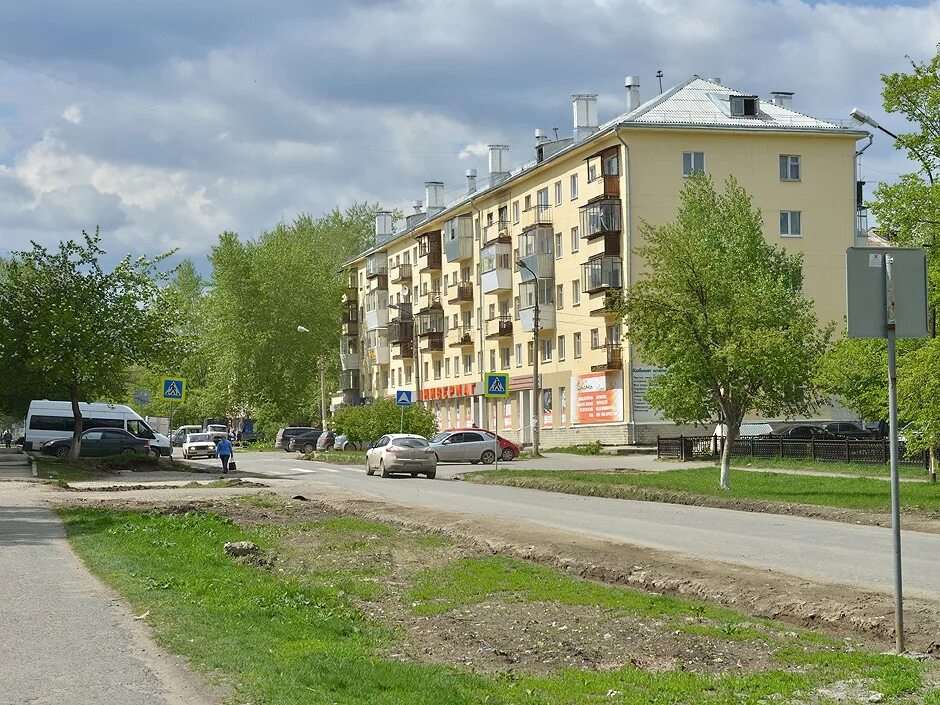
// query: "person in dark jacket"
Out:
[225,451]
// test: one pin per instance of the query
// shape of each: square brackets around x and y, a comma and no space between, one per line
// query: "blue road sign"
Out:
[497,385]
[404,397]
[174,389]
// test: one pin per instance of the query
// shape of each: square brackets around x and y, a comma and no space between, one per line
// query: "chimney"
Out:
[499,162]
[416,205]
[632,84]
[384,225]
[434,192]
[540,136]
[471,180]
[585,115]
[782,99]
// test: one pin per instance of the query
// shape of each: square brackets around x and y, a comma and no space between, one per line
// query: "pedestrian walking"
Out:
[7,438]
[225,451]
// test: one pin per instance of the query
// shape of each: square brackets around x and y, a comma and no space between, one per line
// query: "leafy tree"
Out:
[70,329]
[722,311]
[371,421]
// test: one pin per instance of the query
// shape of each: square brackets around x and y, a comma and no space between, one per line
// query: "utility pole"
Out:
[323,393]
[893,444]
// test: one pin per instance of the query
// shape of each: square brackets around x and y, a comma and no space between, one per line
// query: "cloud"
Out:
[72,114]
[477,149]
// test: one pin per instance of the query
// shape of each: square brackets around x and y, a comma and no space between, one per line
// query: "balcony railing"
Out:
[433,341]
[614,353]
[499,327]
[406,350]
[402,274]
[464,337]
[497,232]
[400,331]
[463,293]
[539,214]
[601,217]
[601,273]
[432,298]
[350,294]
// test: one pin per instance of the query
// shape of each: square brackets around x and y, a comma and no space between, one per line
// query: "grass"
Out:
[863,469]
[685,486]
[95,468]
[291,638]
[593,448]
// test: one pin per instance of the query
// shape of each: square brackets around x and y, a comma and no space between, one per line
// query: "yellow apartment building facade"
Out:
[453,291]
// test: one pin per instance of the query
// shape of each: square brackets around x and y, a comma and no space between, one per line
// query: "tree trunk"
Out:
[731,435]
[77,426]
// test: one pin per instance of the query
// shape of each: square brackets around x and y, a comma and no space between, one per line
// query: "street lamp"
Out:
[864,117]
[536,388]
[302,329]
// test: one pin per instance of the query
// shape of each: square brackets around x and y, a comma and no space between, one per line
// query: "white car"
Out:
[217,431]
[401,453]
[198,444]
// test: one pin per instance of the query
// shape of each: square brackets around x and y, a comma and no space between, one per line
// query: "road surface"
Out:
[827,551]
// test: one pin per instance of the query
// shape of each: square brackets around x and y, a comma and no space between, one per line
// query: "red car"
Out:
[508,449]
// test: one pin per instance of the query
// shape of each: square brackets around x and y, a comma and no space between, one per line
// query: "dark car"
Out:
[805,432]
[846,429]
[285,434]
[305,442]
[98,442]
[326,441]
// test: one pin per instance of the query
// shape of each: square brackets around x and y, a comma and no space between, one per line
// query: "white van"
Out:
[50,420]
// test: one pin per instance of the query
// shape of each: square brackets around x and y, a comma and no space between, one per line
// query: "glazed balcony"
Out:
[376,309]
[401,274]
[601,273]
[349,381]
[377,265]
[433,342]
[614,358]
[401,331]
[377,348]
[406,350]
[601,218]
[537,252]
[499,327]
[498,232]
[496,267]
[544,290]
[429,251]
[458,238]
[463,294]
[348,355]
[464,338]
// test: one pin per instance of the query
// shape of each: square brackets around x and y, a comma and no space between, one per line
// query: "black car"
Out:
[285,434]
[805,432]
[98,442]
[305,442]
[326,441]
[846,429]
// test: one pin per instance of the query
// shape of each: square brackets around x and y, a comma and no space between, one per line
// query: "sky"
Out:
[165,123]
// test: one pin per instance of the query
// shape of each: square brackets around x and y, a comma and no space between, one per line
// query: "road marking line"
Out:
[302,470]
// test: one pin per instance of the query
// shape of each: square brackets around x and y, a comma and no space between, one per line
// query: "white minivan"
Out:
[50,420]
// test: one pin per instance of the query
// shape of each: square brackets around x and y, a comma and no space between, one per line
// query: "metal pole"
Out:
[499,400]
[893,441]
[322,394]
[536,387]
[401,427]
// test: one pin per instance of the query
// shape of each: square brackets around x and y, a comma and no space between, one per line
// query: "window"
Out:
[576,293]
[595,338]
[456,324]
[693,162]
[515,211]
[573,186]
[790,224]
[437,369]
[789,167]
[529,352]
[546,346]
[480,360]
[611,165]
[527,202]
[492,361]
[456,365]
[558,193]
[468,364]
[560,296]
[557,245]
[592,171]
[516,305]
[561,347]
[504,358]
[743,105]
[575,239]
[518,354]
[447,367]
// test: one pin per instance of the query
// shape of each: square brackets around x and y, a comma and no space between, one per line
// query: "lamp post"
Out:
[864,117]
[301,329]
[536,387]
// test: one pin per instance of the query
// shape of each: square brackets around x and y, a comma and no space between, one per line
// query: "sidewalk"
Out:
[66,638]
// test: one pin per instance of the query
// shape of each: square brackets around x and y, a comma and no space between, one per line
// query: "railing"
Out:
[874,452]
[464,293]
[499,327]
[539,214]
[402,273]
[497,232]
[434,341]
[464,337]
[614,358]
[400,331]
[600,218]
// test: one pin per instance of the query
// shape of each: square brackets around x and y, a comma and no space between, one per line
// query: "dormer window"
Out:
[743,105]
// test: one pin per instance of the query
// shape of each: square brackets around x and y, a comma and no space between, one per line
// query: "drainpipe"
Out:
[628,278]
[858,159]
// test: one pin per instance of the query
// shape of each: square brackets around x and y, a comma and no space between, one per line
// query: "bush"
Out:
[369,422]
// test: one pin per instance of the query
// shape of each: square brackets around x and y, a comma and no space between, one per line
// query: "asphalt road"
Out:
[832,552]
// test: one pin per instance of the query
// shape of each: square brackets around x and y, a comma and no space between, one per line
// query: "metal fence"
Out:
[875,452]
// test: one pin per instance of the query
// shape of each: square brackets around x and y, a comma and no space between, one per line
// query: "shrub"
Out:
[369,422]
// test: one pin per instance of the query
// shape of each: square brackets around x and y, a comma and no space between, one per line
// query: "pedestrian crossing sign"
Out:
[174,389]
[497,385]
[403,397]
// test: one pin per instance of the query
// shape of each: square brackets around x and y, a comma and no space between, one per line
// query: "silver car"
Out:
[464,447]
[401,453]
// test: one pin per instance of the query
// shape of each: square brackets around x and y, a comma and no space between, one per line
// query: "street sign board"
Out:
[404,397]
[141,396]
[174,389]
[866,293]
[496,385]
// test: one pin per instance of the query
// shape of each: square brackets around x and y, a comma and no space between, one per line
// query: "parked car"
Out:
[401,453]
[100,441]
[805,432]
[199,444]
[508,449]
[464,447]
[342,442]
[217,431]
[179,435]
[285,434]
[305,442]
[846,429]
[326,441]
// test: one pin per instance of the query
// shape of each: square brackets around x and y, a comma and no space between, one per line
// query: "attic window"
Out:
[743,105]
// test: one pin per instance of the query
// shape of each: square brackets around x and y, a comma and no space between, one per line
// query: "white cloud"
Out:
[72,114]
[477,149]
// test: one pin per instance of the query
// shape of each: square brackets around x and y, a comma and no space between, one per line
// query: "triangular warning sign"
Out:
[172,390]
[496,386]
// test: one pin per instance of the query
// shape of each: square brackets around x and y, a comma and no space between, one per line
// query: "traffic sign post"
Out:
[174,389]
[496,386]
[403,397]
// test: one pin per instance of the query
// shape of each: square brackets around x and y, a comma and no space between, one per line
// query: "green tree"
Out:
[71,329]
[722,311]
[371,421]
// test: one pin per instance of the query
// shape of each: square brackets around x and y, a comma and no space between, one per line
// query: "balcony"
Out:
[463,293]
[431,299]
[352,398]
[350,294]
[429,249]
[377,349]
[401,331]
[349,381]
[600,218]
[496,268]
[377,265]
[497,232]
[433,342]
[542,291]
[613,304]
[406,350]
[464,337]
[348,356]
[537,251]
[401,274]
[605,186]
[350,320]
[600,273]
[614,361]
[546,317]
[379,282]
[536,216]
[499,327]
[458,238]
[376,309]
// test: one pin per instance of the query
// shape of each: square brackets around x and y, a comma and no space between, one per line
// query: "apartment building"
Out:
[458,289]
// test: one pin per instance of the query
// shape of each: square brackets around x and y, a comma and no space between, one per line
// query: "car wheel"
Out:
[508,454]
[414,474]
[436,459]
[155,452]
[369,470]
[62,452]
[309,448]
[474,462]
[431,475]
[128,451]
[385,473]
[488,457]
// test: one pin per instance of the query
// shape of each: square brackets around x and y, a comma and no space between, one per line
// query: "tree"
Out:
[722,311]
[72,328]
[372,421]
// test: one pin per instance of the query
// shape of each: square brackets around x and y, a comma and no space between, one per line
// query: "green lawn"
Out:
[291,638]
[96,468]
[677,485]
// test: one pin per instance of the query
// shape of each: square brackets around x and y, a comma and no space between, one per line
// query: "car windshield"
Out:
[411,442]
[439,437]
[197,437]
